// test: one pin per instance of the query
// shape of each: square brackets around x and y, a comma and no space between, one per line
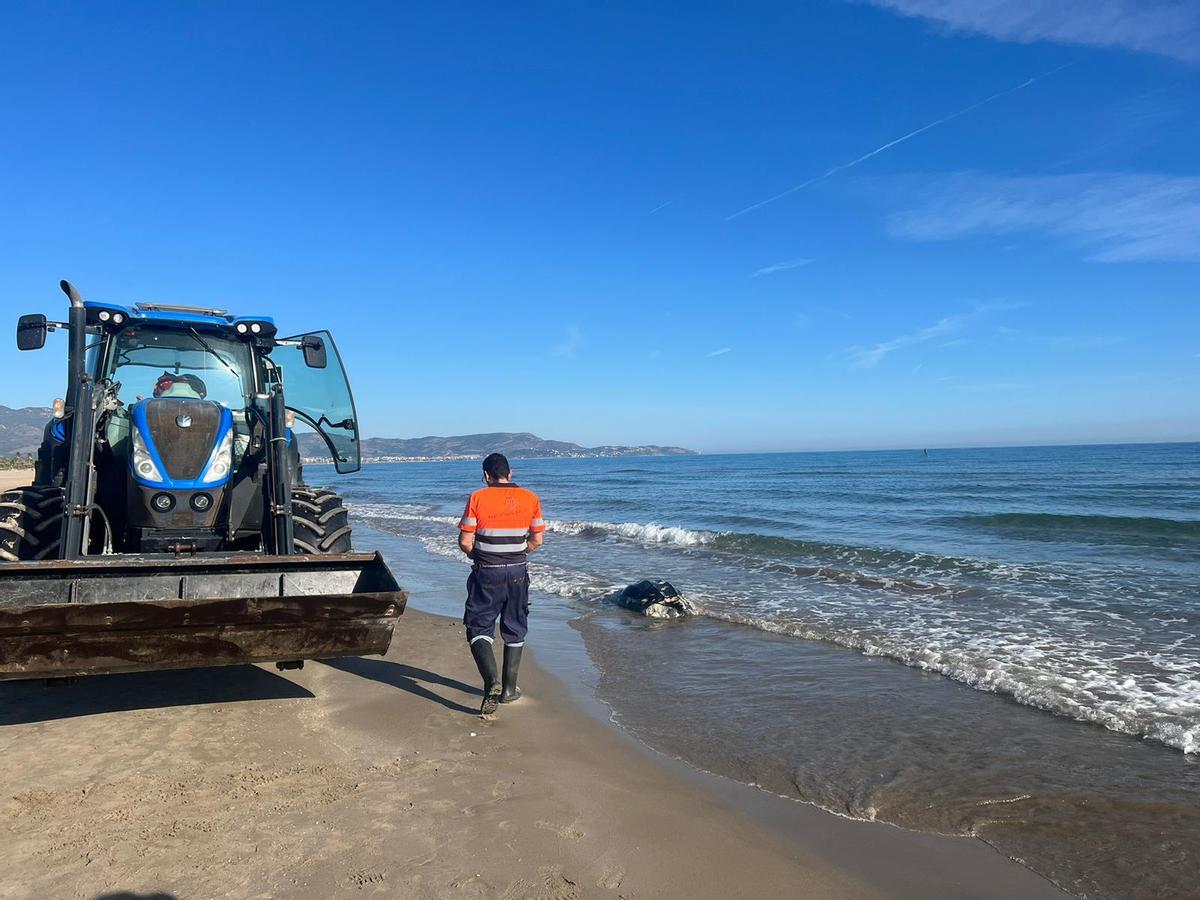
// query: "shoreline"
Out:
[374,777]
[652,683]
[895,860]
[793,734]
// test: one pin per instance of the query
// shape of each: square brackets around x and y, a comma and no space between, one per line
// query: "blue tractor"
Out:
[169,524]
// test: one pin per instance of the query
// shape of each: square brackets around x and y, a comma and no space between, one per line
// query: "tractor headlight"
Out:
[220,461]
[143,464]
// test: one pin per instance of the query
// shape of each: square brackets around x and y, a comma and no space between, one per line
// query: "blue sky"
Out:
[549,216]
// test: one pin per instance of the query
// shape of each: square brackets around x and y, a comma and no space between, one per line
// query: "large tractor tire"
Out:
[320,521]
[30,523]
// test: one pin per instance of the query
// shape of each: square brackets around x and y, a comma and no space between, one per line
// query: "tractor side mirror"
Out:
[31,332]
[314,352]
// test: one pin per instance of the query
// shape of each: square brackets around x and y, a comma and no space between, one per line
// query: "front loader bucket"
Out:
[137,613]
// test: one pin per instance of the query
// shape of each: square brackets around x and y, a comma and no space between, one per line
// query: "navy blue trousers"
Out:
[498,593]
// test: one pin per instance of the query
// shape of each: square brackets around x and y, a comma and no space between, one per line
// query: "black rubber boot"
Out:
[485,659]
[512,665]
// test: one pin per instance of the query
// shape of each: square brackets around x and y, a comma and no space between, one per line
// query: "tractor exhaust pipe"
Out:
[77,347]
[71,291]
[81,416]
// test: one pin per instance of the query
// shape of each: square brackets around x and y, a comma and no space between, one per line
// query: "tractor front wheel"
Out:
[30,523]
[319,521]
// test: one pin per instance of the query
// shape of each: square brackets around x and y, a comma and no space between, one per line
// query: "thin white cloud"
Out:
[1166,27]
[868,357]
[1113,217]
[892,143]
[720,352]
[780,267]
[945,331]
[661,206]
[570,344]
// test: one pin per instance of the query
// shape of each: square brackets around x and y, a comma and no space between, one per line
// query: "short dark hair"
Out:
[496,465]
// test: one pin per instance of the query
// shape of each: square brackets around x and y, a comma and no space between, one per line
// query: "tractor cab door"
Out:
[320,395]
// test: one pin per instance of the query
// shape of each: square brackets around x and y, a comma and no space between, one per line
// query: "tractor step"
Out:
[64,618]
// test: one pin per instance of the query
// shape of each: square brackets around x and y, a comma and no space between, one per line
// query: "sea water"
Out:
[999,642]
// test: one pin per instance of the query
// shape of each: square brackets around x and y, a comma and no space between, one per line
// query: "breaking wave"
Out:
[1166,710]
[634,531]
[1023,631]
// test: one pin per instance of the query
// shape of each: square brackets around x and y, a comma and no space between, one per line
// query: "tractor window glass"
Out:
[212,363]
[322,399]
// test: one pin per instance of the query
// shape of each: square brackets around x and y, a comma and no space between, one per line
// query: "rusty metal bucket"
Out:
[139,613]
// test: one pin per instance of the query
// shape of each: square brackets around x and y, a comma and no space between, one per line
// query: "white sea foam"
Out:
[400,512]
[651,533]
[1050,638]
[1048,673]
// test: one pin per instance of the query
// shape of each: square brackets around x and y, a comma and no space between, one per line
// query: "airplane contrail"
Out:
[900,140]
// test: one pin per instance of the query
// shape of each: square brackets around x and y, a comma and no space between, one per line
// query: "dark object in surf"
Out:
[656,599]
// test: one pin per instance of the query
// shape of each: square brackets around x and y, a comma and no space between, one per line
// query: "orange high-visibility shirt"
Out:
[502,517]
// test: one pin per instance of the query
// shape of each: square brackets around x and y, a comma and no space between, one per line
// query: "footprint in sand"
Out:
[563,831]
[502,790]
[610,879]
[550,884]
[365,878]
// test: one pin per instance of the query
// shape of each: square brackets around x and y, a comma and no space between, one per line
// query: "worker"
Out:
[187,385]
[500,526]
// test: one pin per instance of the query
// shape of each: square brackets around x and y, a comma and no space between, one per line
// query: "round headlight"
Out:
[162,502]
[256,328]
[118,318]
[145,468]
[201,502]
[241,327]
[105,315]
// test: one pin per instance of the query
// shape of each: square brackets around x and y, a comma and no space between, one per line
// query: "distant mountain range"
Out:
[514,445]
[21,431]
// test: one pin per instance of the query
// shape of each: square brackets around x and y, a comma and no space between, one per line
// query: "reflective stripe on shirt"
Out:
[489,547]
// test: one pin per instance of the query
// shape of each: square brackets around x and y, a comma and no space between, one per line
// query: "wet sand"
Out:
[375,777]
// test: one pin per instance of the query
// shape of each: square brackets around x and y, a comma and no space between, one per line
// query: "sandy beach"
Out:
[374,777]
[10,478]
